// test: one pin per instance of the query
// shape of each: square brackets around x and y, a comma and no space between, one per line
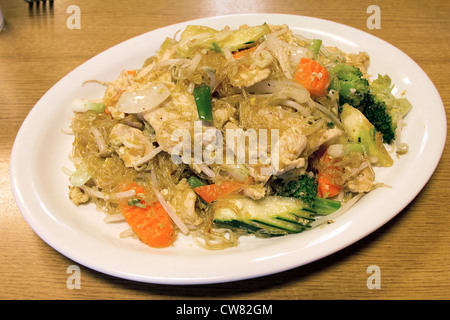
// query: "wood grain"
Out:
[37,49]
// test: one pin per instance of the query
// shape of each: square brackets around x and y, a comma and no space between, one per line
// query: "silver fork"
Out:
[37,2]
[2,21]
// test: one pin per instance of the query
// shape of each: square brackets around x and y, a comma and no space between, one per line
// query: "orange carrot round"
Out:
[313,76]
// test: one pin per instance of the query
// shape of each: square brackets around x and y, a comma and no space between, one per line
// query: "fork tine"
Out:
[31,3]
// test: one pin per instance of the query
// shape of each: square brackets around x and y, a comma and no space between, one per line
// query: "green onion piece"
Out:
[202,95]
[354,147]
[135,203]
[80,177]
[83,105]
[195,182]
[96,107]
[216,47]
[315,45]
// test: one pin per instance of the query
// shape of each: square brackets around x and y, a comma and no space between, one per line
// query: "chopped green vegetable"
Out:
[196,37]
[195,182]
[315,45]
[135,203]
[370,99]
[266,217]
[216,47]
[79,177]
[381,89]
[202,95]
[349,82]
[241,38]
[81,105]
[304,188]
[360,130]
[353,147]
[378,115]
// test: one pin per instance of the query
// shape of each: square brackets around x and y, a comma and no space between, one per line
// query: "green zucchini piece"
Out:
[269,216]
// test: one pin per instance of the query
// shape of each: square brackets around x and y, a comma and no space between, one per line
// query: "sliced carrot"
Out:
[327,185]
[151,223]
[242,53]
[326,188]
[313,76]
[131,72]
[212,192]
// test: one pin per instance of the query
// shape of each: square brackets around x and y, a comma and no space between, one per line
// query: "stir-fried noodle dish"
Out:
[221,134]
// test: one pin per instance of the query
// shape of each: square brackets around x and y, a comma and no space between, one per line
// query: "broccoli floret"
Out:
[381,91]
[378,115]
[356,91]
[359,129]
[349,82]
[304,188]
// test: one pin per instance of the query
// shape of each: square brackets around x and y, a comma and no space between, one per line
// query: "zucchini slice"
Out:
[269,216]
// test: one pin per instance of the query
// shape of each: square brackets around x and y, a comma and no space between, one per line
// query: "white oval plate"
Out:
[41,150]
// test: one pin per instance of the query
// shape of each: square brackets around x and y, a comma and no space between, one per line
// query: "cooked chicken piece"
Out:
[78,196]
[183,200]
[179,112]
[130,143]
[291,144]
[223,115]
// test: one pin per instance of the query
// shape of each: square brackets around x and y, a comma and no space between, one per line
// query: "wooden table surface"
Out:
[37,49]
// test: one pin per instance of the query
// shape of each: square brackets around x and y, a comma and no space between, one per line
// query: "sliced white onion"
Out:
[143,100]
